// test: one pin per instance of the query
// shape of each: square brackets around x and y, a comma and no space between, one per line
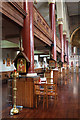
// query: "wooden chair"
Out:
[49,80]
[51,90]
[52,81]
[40,90]
[47,73]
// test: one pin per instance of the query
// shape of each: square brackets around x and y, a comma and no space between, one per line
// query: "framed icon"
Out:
[3,61]
[21,65]
[8,61]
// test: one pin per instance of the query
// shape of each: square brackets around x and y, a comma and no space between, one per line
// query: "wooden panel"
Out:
[55,76]
[38,70]
[48,74]
[41,36]
[19,2]
[5,75]
[25,91]
[41,24]
[13,11]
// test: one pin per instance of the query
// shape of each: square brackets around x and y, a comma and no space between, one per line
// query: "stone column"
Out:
[67,53]
[28,35]
[60,22]
[53,26]
[72,48]
[64,38]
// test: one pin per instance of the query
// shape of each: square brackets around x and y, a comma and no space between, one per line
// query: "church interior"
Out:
[39,59]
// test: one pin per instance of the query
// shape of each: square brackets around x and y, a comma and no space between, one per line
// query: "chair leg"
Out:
[47,100]
[39,97]
[36,101]
[43,101]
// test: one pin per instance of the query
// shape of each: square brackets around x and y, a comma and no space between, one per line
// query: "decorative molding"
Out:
[41,24]
[17,6]
[51,1]
[11,12]
[64,32]
[60,21]
[41,36]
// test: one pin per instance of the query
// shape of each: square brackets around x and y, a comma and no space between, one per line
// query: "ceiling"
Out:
[74,17]
[10,30]
[73,8]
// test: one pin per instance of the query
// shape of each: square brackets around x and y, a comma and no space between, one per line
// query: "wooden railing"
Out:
[58,43]
[41,24]
[18,2]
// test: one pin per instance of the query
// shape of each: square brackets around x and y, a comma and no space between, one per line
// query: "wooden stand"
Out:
[49,73]
[72,69]
[55,75]
[77,69]
[25,91]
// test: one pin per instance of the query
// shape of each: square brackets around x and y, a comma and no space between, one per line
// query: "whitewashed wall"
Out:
[5,53]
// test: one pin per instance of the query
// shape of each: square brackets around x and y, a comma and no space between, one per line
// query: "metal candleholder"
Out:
[14,110]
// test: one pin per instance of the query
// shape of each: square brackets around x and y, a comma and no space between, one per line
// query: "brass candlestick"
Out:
[14,110]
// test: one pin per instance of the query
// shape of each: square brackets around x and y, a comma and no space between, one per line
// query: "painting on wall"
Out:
[8,61]
[3,61]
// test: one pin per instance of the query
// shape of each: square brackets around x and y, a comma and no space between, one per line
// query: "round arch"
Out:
[74,33]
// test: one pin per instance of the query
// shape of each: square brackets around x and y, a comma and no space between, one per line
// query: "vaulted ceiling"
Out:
[74,17]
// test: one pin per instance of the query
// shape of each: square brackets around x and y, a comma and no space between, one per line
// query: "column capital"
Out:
[51,1]
[60,21]
[64,32]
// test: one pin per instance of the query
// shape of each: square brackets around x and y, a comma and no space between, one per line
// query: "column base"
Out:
[31,74]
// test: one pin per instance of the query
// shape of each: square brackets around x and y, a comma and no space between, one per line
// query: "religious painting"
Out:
[3,61]
[8,61]
[52,64]
[21,65]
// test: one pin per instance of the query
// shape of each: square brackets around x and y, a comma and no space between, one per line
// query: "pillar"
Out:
[53,26]
[64,39]
[72,49]
[60,22]
[75,50]
[67,53]
[28,35]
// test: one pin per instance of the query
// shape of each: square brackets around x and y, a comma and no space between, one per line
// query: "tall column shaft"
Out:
[28,35]
[67,53]
[61,38]
[72,49]
[53,27]
[64,39]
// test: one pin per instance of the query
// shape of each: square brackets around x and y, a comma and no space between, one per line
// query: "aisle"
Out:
[68,104]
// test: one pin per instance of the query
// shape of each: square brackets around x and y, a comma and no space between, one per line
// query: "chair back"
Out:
[38,88]
[50,88]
